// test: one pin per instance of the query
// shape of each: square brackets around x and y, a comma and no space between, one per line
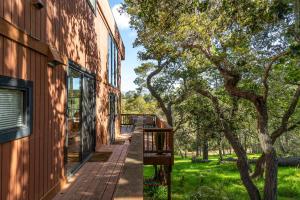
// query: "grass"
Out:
[222,180]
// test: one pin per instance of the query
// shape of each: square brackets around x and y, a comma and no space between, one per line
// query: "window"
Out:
[15,108]
[112,63]
[116,105]
[113,104]
[93,4]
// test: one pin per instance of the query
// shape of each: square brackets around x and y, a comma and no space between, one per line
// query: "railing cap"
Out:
[158,129]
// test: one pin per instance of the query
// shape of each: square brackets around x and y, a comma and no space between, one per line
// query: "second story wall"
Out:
[75,29]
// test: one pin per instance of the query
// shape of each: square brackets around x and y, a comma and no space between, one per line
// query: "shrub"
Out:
[156,192]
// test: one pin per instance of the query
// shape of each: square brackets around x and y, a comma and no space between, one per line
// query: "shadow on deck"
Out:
[121,176]
[97,180]
[130,185]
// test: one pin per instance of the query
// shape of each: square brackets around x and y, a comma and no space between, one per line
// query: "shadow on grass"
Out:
[188,177]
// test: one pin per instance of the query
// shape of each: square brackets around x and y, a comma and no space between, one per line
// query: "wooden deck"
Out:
[121,177]
[131,182]
[97,180]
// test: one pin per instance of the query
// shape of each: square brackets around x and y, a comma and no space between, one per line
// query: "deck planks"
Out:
[130,183]
[97,180]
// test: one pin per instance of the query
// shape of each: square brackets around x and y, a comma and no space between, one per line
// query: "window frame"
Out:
[26,87]
[109,59]
[117,68]
[112,62]
[92,6]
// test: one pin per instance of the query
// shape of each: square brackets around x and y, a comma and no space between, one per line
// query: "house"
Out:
[60,64]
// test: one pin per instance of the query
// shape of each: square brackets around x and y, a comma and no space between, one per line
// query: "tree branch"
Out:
[155,94]
[268,68]
[294,126]
[231,78]
[181,121]
[242,162]
[288,113]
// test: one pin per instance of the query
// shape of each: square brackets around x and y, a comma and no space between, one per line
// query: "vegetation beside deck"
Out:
[219,181]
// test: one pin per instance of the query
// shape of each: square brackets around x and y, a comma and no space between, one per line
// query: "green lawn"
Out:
[221,180]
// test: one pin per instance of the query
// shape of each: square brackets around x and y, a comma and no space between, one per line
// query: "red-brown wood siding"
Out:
[30,167]
[27,164]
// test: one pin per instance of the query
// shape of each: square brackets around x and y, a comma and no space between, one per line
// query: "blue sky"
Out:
[128,35]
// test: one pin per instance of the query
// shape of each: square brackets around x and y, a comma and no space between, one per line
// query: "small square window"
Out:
[15,108]
[93,4]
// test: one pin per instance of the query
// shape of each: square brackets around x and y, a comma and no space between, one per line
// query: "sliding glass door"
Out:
[88,116]
[80,141]
[112,116]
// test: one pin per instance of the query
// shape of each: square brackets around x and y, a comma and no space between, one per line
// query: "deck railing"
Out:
[158,145]
[127,119]
[131,119]
[157,134]
[158,140]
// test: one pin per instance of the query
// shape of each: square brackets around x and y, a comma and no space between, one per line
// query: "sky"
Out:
[128,35]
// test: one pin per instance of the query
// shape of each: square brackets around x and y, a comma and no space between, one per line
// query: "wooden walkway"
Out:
[130,185]
[97,180]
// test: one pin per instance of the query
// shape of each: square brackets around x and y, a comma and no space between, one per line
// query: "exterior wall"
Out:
[33,167]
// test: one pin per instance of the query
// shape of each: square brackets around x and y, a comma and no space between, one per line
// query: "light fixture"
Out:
[54,58]
[39,4]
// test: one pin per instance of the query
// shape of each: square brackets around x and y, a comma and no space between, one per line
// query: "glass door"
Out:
[80,141]
[88,115]
[112,116]
[74,121]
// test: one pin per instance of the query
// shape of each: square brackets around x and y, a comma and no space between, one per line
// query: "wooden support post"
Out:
[169,182]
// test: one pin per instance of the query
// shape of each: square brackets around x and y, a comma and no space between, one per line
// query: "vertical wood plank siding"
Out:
[33,166]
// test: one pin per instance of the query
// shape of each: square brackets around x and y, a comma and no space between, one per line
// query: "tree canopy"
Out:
[242,57]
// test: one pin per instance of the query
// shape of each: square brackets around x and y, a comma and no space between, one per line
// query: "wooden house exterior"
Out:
[61,60]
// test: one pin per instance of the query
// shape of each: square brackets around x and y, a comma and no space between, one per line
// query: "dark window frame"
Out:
[109,42]
[26,87]
[94,8]
[112,62]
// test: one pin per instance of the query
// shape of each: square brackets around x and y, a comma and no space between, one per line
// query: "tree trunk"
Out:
[181,154]
[271,169]
[156,175]
[270,189]
[197,151]
[220,148]
[197,142]
[259,167]
[205,148]
[243,166]
[242,163]
[246,179]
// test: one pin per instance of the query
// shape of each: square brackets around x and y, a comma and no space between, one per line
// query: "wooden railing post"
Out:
[153,126]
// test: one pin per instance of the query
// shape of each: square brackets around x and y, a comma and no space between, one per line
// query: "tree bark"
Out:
[281,129]
[242,163]
[259,167]
[197,142]
[165,108]
[205,147]
[270,189]
[181,154]
[220,145]
[231,80]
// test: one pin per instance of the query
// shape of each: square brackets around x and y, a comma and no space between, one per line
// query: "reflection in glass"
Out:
[74,120]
